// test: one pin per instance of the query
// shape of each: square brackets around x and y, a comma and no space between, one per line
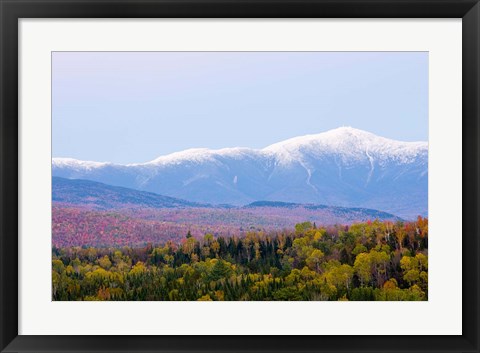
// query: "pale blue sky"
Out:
[127,107]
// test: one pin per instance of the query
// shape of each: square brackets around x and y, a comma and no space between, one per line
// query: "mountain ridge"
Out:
[341,167]
[104,196]
[332,136]
[81,209]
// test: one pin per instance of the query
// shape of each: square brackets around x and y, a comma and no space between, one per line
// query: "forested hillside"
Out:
[364,261]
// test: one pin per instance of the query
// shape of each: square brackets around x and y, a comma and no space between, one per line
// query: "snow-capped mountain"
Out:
[341,167]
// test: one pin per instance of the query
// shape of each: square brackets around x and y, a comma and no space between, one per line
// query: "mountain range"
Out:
[342,167]
[101,196]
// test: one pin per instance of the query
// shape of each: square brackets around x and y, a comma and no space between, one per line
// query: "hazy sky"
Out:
[128,107]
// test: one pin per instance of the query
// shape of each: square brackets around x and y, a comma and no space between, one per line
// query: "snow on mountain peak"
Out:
[193,154]
[77,164]
[200,155]
[348,143]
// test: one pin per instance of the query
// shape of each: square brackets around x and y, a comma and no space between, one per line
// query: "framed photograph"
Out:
[239,176]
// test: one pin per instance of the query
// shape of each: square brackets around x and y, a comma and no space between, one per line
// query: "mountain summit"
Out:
[351,143]
[341,167]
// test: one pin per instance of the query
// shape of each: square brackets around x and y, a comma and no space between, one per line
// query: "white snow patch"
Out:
[77,164]
[372,167]
[349,143]
[346,144]
[309,176]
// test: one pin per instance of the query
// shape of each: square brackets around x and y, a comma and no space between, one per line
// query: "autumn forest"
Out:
[365,261]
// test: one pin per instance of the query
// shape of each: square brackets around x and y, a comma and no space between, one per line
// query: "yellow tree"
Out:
[313,261]
[362,267]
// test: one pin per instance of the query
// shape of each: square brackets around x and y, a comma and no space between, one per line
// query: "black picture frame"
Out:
[12,10]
